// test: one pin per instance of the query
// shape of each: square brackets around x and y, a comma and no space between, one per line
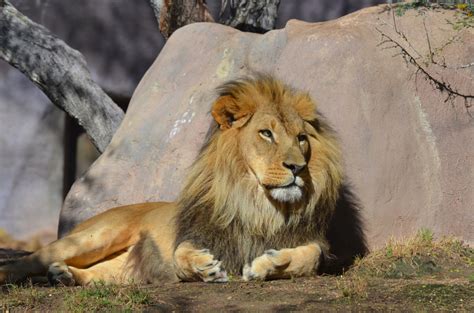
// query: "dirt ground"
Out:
[418,275]
[302,294]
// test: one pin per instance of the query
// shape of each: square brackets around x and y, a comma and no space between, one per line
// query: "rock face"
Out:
[408,152]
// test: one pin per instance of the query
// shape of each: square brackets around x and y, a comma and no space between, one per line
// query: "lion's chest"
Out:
[237,248]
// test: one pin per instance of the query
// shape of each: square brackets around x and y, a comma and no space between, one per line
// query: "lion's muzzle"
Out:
[288,193]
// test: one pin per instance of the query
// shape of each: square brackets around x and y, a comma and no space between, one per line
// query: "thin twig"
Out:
[401,34]
[428,40]
[393,17]
[439,84]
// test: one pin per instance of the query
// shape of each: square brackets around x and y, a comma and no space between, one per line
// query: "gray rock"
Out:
[408,153]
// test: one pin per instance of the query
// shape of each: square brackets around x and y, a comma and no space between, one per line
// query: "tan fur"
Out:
[96,248]
[285,263]
[236,199]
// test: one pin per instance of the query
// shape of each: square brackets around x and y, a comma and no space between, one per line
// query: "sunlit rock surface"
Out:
[408,152]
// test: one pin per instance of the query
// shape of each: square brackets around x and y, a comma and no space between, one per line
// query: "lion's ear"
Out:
[305,107]
[228,113]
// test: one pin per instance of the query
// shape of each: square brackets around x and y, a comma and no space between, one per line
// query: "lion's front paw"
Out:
[271,263]
[204,266]
[212,272]
[284,263]
[59,274]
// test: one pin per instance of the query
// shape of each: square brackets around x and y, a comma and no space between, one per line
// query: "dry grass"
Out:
[418,256]
[353,286]
[98,297]
[415,260]
[101,297]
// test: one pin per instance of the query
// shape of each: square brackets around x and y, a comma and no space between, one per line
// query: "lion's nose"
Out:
[294,168]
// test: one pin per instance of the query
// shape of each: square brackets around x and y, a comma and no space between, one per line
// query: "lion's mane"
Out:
[231,216]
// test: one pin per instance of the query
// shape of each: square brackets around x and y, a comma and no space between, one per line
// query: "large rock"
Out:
[408,152]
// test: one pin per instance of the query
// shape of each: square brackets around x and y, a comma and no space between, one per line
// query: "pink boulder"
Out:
[398,96]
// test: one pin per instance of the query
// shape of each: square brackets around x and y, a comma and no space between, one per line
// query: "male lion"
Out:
[257,202]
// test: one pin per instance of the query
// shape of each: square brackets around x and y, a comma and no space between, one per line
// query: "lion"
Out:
[256,204]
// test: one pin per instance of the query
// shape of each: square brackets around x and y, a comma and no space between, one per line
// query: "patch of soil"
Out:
[304,294]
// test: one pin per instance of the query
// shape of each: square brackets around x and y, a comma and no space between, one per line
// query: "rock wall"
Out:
[408,152]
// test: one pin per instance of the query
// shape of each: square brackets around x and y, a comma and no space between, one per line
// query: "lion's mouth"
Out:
[291,192]
[271,187]
[297,181]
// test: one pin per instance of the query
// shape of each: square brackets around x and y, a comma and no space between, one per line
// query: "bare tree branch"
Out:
[173,14]
[438,82]
[60,72]
[252,15]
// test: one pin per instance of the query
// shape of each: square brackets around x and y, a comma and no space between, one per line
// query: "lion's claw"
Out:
[212,272]
[208,266]
[217,276]
[209,269]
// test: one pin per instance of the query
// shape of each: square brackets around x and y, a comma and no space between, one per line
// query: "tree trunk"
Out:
[60,72]
[257,16]
[173,14]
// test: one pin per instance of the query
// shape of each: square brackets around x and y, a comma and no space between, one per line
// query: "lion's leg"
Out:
[110,271]
[193,264]
[78,249]
[38,262]
[284,263]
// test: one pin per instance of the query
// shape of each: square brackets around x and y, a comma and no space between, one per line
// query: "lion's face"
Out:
[271,162]
[271,125]
[276,151]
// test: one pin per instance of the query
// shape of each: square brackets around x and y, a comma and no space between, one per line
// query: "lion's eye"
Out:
[266,133]
[302,138]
